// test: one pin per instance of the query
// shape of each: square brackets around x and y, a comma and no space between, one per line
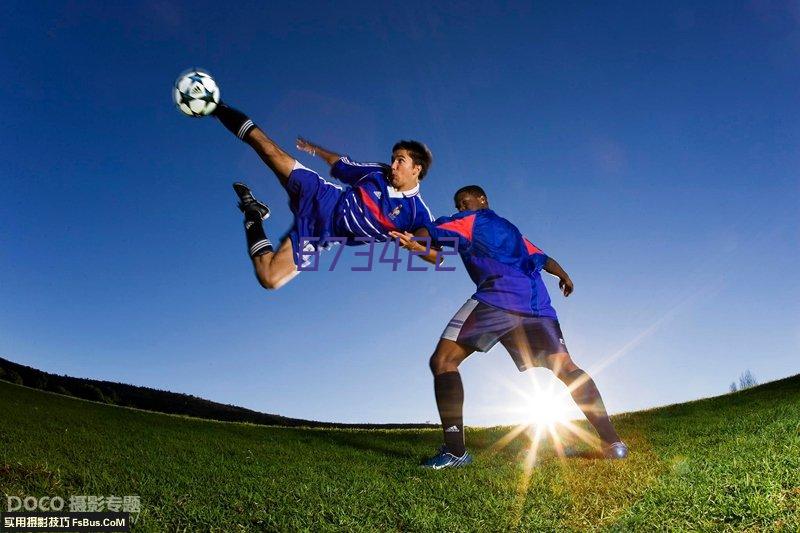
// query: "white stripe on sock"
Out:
[244,129]
[260,245]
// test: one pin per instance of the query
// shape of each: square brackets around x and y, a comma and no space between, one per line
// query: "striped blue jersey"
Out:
[504,265]
[370,207]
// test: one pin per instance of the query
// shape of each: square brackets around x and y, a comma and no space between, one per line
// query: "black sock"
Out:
[237,122]
[450,400]
[589,400]
[257,241]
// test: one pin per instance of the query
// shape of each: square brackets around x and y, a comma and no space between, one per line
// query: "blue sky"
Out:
[653,150]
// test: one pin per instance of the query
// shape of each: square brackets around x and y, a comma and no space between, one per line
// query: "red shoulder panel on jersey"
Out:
[532,249]
[462,226]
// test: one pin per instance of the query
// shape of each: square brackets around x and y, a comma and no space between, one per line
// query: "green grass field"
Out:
[725,463]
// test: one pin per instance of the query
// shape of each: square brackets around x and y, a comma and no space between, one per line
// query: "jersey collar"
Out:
[394,193]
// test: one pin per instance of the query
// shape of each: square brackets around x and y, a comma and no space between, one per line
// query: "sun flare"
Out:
[547,408]
[543,406]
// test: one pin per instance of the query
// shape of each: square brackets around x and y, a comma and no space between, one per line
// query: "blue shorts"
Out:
[528,339]
[313,202]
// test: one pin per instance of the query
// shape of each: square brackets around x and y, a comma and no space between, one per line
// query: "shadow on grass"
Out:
[387,444]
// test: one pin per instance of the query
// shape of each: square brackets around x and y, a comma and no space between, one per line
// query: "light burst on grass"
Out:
[546,413]
[542,409]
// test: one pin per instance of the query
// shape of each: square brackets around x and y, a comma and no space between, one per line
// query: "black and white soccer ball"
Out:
[196,93]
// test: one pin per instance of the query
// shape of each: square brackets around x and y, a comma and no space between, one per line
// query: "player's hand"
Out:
[566,286]
[306,146]
[405,241]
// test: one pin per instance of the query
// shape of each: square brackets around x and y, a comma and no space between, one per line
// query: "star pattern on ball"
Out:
[185,98]
[207,97]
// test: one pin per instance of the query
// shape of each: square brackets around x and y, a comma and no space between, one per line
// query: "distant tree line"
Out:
[746,381]
[157,400]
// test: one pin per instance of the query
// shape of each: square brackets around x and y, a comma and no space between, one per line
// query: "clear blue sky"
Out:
[653,150]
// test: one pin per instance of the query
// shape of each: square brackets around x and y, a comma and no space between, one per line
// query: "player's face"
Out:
[469,202]
[405,173]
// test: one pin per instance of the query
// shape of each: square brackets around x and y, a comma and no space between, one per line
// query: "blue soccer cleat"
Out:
[445,459]
[618,450]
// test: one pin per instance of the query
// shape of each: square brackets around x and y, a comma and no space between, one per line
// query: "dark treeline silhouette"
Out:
[159,400]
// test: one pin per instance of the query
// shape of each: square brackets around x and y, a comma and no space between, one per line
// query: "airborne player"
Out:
[379,198]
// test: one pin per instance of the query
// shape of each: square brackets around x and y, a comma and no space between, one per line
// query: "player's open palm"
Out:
[305,145]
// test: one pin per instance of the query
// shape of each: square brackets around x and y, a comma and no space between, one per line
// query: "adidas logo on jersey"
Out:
[451,429]
[378,194]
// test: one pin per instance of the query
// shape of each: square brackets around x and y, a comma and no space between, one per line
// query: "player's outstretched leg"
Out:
[585,393]
[273,269]
[243,127]
[450,400]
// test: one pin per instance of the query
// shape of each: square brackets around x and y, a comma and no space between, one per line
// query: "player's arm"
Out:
[405,240]
[542,261]
[316,150]
[342,167]
[551,266]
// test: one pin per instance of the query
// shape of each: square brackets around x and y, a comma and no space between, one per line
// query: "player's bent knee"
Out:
[441,363]
[266,279]
[276,280]
[433,364]
[448,356]
[262,275]
[561,364]
[270,282]
[272,274]
[265,283]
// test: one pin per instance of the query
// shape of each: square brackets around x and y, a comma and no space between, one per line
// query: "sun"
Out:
[546,415]
[547,408]
[542,406]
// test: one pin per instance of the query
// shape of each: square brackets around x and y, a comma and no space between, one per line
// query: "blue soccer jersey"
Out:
[371,207]
[503,264]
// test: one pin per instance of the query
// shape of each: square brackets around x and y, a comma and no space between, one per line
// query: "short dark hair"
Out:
[475,190]
[420,154]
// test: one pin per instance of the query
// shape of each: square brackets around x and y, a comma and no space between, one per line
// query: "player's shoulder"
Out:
[446,218]
[489,217]
[491,228]
[425,211]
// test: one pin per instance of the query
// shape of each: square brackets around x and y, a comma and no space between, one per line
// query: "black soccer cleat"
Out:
[248,203]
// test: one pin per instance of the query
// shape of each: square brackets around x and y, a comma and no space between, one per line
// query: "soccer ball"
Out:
[196,93]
